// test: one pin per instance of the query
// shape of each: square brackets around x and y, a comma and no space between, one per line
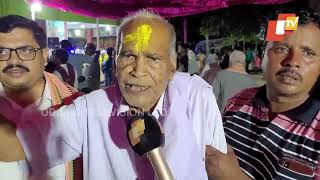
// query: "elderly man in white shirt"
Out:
[95,125]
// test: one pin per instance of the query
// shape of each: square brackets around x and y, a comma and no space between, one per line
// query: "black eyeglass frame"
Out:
[16,51]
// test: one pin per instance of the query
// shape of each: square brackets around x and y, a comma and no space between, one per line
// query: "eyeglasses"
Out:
[24,53]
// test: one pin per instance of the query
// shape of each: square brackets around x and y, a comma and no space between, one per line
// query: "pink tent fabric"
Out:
[116,9]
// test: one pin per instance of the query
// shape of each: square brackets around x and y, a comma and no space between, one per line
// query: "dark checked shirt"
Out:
[274,145]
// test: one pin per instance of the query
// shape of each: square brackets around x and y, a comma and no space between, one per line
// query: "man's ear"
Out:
[45,54]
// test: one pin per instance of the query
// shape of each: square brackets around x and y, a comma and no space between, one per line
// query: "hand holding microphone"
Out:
[146,138]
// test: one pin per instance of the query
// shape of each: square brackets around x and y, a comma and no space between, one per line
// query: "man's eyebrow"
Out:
[27,46]
[125,51]
[280,44]
[24,46]
[153,55]
[305,47]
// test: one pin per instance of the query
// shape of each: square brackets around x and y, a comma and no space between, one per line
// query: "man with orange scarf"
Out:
[23,55]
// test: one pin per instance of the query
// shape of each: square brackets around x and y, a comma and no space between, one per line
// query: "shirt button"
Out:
[264,115]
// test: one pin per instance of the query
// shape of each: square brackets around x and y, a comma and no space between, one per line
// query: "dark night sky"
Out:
[248,16]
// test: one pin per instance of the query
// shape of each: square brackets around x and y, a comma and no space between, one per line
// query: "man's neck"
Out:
[280,103]
[25,97]
[237,68]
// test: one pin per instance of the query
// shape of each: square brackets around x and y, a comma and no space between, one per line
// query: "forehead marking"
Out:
[141,37]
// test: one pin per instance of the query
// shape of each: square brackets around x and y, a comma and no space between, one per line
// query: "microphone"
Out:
[147,138]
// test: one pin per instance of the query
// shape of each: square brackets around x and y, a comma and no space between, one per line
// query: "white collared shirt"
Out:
[157,112]
[91,127]
[18,170]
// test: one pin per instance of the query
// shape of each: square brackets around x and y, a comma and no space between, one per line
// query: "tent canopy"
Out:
[22,8]
[117,9]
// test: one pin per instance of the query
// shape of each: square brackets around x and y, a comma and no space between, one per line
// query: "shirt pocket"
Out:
[295,168]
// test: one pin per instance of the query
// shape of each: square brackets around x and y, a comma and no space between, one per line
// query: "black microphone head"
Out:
[144,133]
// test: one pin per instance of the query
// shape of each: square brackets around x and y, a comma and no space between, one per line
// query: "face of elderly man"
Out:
[144,66]
[292,66]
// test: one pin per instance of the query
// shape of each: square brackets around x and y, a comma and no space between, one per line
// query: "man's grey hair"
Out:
[237,57]
[151,15]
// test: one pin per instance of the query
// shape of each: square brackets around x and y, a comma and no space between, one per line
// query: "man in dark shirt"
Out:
[274,130]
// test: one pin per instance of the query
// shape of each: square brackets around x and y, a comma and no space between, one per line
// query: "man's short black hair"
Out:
[306,16]
[62,54]
[110,50]
[9,22]
[91,46]
[66,44]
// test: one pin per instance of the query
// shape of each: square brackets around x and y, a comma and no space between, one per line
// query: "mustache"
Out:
[292,72]
[7,68]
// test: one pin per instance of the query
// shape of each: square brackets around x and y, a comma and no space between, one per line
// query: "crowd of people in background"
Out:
[92,70]
[217,123]
[86,72]
[197,61]
[228,69]
[95,69]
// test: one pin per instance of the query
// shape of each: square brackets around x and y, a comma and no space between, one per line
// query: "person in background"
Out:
[94,69]
[77,61]
[210,74]
[193,67]
[232,80]
[66,45]
[201,59]
[107,67]
[249,58]
[89,78]
[63,69]
[257,63]
[90,49]
[211,56]
[102,59]
[225,58]
[182,58]
[50,67]
[94,73]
